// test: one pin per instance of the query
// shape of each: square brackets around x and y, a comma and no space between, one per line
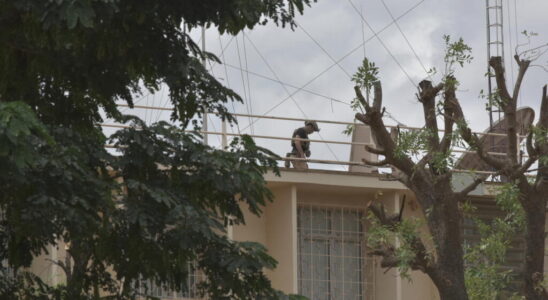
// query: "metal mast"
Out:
[495,47]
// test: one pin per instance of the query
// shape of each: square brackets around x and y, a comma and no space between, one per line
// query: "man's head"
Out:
[311,126]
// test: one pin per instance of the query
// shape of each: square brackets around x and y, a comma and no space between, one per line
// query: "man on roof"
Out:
[301,148]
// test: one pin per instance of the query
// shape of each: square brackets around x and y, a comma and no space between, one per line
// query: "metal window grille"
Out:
[189,291]
[331,253]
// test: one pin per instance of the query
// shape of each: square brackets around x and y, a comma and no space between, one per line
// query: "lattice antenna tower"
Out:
[495,47]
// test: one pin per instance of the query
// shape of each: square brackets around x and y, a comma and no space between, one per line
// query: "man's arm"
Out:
[299,146]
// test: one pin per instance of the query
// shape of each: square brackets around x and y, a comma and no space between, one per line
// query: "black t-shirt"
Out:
[300,133]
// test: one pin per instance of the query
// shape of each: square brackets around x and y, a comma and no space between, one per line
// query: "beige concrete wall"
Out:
[362,134]
[253,230]
[277,230]
[44,267]
[281,232]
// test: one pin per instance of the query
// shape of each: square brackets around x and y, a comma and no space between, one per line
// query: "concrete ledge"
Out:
[334,178]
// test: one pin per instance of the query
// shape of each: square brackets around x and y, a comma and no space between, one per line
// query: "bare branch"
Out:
[427,96]
[509,103]
[474,141]
[373,118]
[377,100]
[525,166]
[380,213]
[60,264]
[374,150]
[472,186]
[496,63]
[448,117]
[361,98]
[543,120]
[523,66]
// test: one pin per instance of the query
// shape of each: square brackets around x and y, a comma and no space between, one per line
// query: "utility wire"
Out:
[300,26]
[339,60]
[287,91]
[223,60]
[248,82]
[363,32]
[406,39]
[243,84]
[510,39]
[166,101]
[289,85]
[383,44]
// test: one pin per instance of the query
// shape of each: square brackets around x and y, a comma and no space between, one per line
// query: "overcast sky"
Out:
[333,30]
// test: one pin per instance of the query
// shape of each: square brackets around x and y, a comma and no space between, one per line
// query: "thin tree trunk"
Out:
[534,248]
[453,289]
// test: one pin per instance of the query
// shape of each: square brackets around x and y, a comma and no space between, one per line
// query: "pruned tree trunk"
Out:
[433,190]
[533,196]
[534,249]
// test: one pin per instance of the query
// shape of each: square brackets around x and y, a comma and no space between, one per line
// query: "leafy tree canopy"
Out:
[164,200]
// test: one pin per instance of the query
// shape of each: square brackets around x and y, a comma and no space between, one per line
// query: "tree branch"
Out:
[532,151]
[523,66]
[361,98]
[374,150]
[472,186]
[427,96]
[373,118]
[474,141]
[448,117]
[496,63]
[543,120]
[60,264]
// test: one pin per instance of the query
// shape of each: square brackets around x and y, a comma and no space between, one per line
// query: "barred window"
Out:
[331,253]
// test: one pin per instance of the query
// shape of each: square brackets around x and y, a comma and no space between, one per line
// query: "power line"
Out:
[226,75]
[289,85]
[248,83]
[382,43]
[406,39]
[287,91]
[166,101]
[243,84]
[510,39]
[300,26]
[363,32]
[339,60]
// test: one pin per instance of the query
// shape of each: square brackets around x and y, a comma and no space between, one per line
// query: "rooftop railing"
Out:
[224,134]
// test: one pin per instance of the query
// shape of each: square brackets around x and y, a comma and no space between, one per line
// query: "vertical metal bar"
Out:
[488,20]
[204,112]
[342,252]
[224,139]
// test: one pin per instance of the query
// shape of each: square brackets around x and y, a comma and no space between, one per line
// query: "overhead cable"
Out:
[286,90]
[339,60]
[383,44]
[300,26]
[406,39]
